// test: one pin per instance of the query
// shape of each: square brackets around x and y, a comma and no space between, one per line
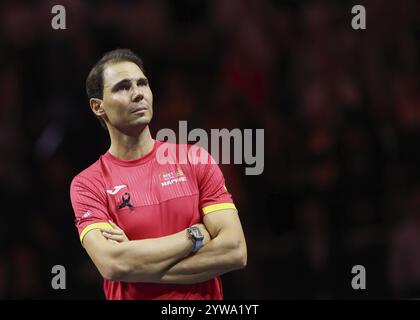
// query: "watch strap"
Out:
[198,243]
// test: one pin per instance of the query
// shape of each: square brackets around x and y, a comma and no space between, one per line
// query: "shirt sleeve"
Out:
[211,183]
[89,205]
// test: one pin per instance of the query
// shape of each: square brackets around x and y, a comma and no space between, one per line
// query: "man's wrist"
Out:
[196,237]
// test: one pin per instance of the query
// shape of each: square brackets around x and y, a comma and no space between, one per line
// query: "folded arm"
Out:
[139,260]
[225,252]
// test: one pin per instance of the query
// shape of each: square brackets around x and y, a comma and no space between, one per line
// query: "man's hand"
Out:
[115,235]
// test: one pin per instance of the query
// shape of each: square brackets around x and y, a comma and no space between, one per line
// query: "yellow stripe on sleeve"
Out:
[218,206]
[92,226]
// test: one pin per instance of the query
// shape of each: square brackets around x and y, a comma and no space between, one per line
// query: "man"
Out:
[183,227]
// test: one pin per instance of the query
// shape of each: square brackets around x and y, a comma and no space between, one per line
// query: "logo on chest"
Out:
[169,178]
[116,189]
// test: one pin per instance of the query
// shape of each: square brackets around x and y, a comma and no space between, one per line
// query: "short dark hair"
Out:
[95,80]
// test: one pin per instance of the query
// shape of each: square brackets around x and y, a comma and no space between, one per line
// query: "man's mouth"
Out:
[139,110]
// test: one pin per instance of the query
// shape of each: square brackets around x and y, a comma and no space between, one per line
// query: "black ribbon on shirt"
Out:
[125,201]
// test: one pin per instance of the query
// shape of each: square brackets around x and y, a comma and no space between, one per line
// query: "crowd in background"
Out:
[340,109]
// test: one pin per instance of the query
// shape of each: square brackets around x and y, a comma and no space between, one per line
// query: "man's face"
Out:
[127,99]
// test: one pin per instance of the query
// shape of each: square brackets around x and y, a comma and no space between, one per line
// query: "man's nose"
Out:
[138,94]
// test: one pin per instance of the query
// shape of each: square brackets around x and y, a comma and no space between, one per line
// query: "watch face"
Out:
[196,233]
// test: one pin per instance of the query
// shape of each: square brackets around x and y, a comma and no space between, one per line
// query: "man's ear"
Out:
[96,106]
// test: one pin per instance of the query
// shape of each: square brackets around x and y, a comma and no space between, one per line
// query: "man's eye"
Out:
[123,88]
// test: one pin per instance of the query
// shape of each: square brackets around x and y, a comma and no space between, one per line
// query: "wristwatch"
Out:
[196,237]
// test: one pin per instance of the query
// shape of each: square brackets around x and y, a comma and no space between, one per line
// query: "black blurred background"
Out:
[341,114]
